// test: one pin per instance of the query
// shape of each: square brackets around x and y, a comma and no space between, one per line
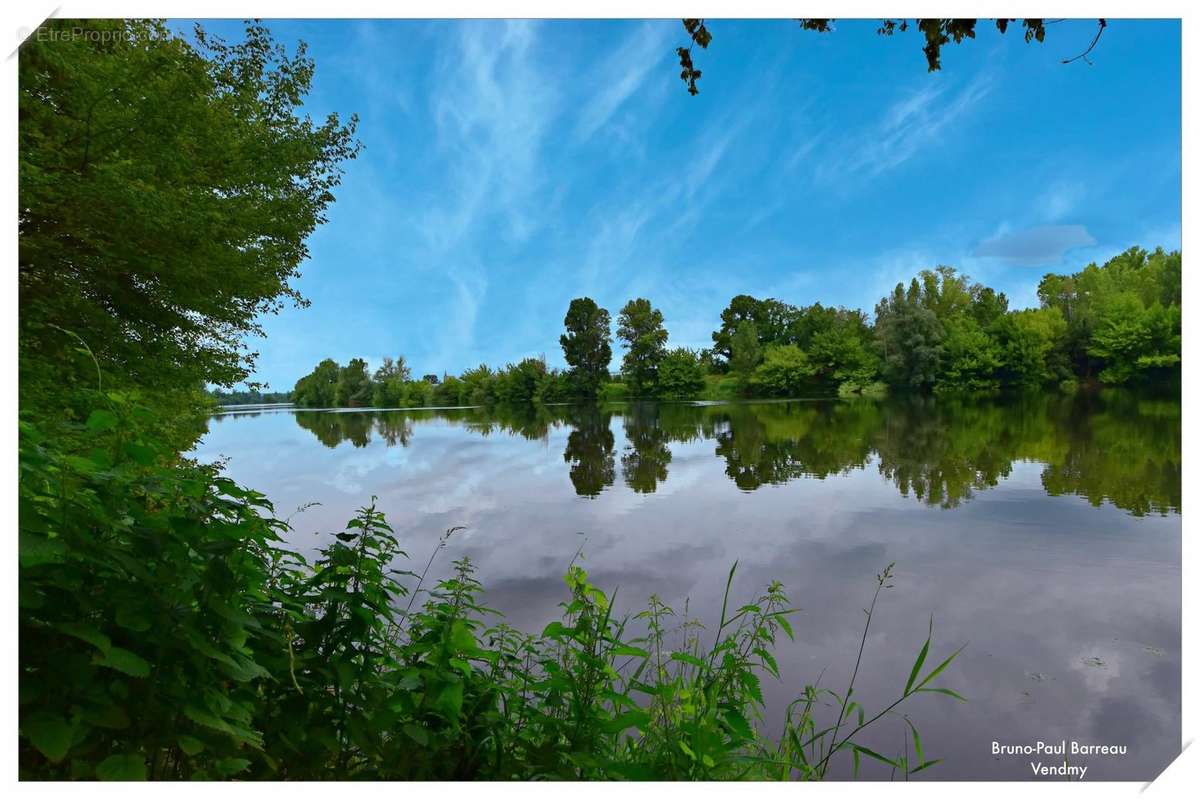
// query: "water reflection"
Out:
[589,451]
[1071,612]
[1111,445]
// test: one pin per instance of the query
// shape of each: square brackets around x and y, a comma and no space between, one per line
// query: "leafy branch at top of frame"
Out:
[937,33]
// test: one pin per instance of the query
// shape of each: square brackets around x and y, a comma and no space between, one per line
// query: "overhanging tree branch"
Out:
[1084,54]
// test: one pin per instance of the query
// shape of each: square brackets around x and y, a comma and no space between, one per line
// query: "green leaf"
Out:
[461,638]
[101,420]
[941,690]
[416,733]
[916,741]
[190,745]
[228,767]
[754,686]
[131,767]
[768,659]
[783,623]
[124,661]
[926,764]
[89,634]
[450,700]
[853,706]
[87,466]
[916,667]
[210,720]
[628,650]
[630,719]
[242,669]
[869,753]
[143,454]
[554,630]
[687,658]
[938,669]
[49,733]
[206,718]
[35,550]
[738,723]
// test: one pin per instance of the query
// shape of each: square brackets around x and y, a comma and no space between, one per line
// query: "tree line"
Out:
[1117,323]
[234,397]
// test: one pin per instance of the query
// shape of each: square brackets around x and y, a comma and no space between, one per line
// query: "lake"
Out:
[1043,532]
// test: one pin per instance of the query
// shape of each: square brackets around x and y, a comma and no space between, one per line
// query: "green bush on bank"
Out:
[613,392]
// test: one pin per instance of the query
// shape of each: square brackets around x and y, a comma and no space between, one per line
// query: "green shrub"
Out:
[144,592]
[680,376]
[784,372]
[613,392]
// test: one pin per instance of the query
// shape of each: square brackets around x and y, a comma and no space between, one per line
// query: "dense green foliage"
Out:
[390,382]
[1123,319]
[784,371]
[353,387]
[319,387]
[680,374]
[640,327]
[167,189]
[528,381]
[587,345]
[745,352]
[1116,323]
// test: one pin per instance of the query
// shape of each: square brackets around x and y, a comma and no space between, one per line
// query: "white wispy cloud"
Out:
[641,225]
[907,127]
[458,328]
[621,74]
[492,107]
[1058,200]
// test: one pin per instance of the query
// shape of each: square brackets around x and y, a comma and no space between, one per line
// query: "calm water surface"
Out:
[1044,532]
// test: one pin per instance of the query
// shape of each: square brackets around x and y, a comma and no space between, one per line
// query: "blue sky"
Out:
[510,166]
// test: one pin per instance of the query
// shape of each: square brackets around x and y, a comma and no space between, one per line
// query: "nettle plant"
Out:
[167,632]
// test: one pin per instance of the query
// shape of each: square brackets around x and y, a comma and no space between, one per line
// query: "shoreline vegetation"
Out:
[1114,324]
[168,187]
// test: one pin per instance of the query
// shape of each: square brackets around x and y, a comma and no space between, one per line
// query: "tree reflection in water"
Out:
[1112,445]
[589,451]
